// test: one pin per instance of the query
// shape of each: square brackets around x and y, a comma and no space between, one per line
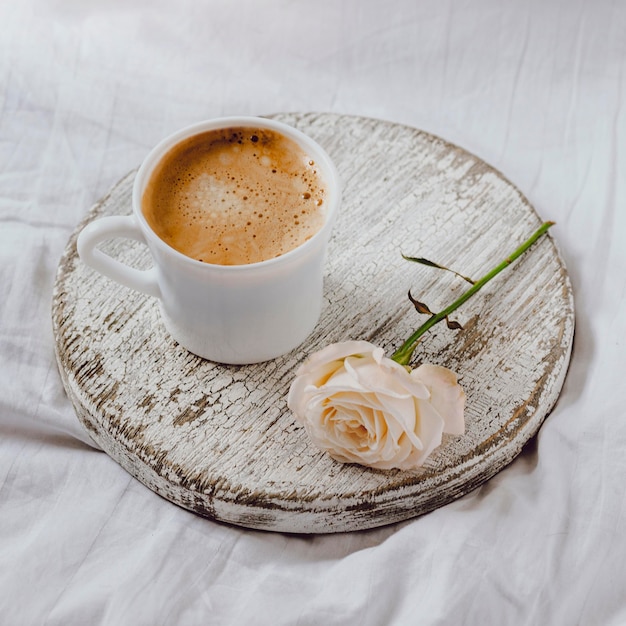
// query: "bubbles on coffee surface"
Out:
[235,196]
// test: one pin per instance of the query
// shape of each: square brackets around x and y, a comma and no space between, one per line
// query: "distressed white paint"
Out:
[220,441]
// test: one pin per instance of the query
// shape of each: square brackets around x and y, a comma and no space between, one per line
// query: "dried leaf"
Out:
[420,307]
[453,325]
[423,261]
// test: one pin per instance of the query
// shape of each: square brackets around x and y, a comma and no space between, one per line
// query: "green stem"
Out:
[405,351]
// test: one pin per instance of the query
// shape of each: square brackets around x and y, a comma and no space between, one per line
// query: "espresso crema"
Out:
[235,196]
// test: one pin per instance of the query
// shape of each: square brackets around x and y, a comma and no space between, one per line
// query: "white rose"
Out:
[362,407]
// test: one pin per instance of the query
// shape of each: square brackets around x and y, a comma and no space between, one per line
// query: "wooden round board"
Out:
[220,441]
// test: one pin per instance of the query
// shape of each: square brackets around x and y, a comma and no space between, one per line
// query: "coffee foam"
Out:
[235,196]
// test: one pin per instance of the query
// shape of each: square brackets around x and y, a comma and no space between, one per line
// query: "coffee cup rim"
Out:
[330,173]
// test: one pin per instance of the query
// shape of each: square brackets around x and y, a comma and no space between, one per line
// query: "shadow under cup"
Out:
[235,314]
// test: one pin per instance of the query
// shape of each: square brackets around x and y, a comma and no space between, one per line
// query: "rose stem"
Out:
[405,351]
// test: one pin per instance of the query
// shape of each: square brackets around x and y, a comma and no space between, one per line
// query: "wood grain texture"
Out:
[220,441]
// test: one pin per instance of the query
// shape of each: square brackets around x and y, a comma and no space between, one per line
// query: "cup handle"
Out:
[110,228]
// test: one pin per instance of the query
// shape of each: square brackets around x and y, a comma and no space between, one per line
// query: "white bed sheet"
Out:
[537,88]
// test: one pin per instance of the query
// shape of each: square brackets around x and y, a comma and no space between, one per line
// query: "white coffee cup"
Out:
[233,314]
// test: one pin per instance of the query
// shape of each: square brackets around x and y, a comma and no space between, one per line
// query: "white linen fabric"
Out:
[537,88]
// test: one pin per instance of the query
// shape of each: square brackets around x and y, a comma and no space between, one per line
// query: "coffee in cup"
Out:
[228,290]
[234,196]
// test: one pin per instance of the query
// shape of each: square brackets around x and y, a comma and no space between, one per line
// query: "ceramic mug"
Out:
[234,314]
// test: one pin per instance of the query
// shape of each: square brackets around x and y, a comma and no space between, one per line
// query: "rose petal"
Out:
[446,395]
[380,377]
[334,352]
